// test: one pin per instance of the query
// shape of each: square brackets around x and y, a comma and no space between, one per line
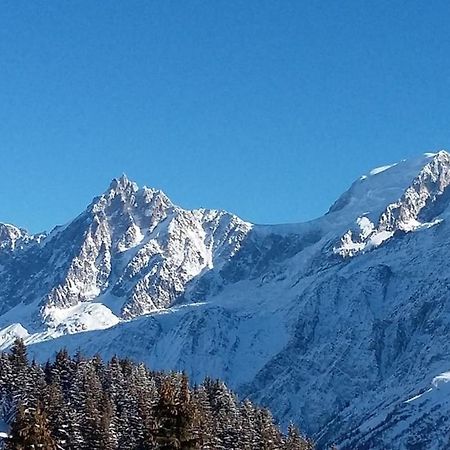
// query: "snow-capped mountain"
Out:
[423,200]
[340,323]
[131,252]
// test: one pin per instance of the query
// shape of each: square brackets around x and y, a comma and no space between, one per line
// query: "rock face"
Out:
[132,250]
[341,323]
[13,238]
[423,200]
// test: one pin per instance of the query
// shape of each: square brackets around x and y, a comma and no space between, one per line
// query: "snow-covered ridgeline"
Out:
[301,317]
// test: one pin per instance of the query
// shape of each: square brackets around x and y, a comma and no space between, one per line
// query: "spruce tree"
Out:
[295,441]
[188,417]
[83,404]
[167,437]
[108,424]
[59,416]
[21,383]
[225,410]
[204,423]
[268,434]
[18,354]
[249,439]
[30,430]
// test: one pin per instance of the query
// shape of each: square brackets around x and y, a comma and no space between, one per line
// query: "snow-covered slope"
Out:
[340,323]
[423,200]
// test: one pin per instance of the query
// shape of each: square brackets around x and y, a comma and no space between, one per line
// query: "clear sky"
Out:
[269,109]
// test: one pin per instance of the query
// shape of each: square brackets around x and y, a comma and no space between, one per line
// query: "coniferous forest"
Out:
[78,403]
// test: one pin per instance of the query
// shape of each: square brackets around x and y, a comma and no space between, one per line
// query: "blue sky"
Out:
[268,109]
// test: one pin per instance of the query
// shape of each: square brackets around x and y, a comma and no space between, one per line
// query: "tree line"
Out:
[79,403]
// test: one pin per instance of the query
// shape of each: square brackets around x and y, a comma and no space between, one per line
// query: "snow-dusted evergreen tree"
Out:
[61,370]
[295,441]
[77,403]
[226,415]
[204,427]
[21,380]
[58,415]
[269,437]
[30,430]
[6,376]
[249,437]
[167,411]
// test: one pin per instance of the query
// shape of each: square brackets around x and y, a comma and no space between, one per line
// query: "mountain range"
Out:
[340,323]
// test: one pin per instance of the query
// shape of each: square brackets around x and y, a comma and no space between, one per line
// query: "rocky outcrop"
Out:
[419,206]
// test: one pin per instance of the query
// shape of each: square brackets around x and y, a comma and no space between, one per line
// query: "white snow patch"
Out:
[430,224]
[416,397]
[132,238]
[441,379]
[10,333]
[366,226]
[438,383]
[378,170]
[82,317]
[378,238]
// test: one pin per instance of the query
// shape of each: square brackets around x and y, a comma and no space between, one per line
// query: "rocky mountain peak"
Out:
[142,206]
[10,235]
[436,171]
[123,184]
[132,246]
[421,204]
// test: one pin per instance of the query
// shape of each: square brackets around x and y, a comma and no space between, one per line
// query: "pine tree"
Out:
[20,383]
[249,438]
[225,415]
[188,417]
[92,427]
[131,424]
[147,396]
[30,430]
[61,371]
[42,437]
[204,424]
[6,377]
[83,404]
[76,398]
[108,424]
[268,433]
[90,403]
[19,355]
[167,438]
[295,441]
[59,416]
[20,431]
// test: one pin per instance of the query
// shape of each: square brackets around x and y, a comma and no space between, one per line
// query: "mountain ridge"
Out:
[326,321]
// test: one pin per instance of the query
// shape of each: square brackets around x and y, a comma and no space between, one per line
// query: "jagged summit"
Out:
[412,195]
[13,238]
[142,206]
[123,183]
[10,235]
[131,252]
[372,192]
